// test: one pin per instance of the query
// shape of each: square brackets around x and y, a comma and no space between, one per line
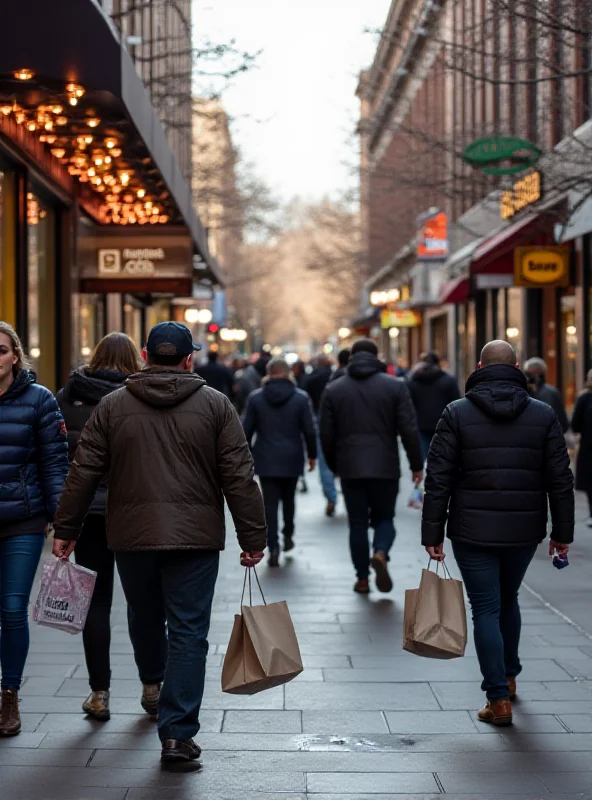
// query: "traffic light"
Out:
[213,328]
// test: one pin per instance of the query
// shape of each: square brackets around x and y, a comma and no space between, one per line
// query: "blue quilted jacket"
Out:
[33,451]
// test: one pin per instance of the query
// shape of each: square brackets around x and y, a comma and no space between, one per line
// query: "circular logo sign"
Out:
[542,266]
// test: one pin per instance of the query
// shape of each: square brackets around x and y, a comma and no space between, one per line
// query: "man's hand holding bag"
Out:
[263,650]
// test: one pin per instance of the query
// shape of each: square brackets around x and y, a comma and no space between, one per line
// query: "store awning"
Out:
[71,43]
[495,256]
[456,291]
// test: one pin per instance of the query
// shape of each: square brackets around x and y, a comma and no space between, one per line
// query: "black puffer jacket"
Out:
[362,414]
[280,417]
[316,384]
[77,401]
[496,457]
[431,390]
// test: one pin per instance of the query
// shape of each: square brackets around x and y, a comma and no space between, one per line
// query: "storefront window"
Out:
[41,289]
[132,321]
[439,336]
[569,340]
[92,324]
[514,321]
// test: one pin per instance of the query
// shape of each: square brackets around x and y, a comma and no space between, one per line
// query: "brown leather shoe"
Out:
[512,688]
[150,695]
[362,586]
[497,712]
[379,564]
[10,718]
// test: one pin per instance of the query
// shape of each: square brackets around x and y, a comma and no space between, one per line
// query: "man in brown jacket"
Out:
[172,449]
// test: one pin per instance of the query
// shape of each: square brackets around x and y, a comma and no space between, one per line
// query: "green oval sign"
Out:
[502,155]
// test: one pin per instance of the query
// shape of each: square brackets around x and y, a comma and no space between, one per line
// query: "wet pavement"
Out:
[364,720]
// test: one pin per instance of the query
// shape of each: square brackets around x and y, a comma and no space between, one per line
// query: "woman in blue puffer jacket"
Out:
[33,468]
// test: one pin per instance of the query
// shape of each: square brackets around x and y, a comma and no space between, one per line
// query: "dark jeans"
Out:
[425,439]
[92,552]
[19,558]
[492,578]
[366,500]
[173,588]
[276,491]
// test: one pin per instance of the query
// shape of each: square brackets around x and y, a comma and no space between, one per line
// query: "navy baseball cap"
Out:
[170,339]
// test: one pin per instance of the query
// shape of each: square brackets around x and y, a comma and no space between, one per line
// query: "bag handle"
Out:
[444,567]
[248,576]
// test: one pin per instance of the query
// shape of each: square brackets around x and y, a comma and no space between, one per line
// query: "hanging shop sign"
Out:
[502,155]
[524,193]
[541,266]
[432,240]
[399,318]
[137,263]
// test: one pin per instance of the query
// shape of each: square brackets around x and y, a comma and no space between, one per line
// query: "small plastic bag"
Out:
[64,596]
[416,497]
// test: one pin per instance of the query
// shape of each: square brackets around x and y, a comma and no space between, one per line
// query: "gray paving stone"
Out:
[469,696]
[486,782]
[262,722]
[42,792]
[36,757]
[322,661]
[548,742]
[22,740]
[221,794]
[211,722]
[344,722]
[41,686]
[50,670]
[361,696]
[30,722]
[528,723]
[568,782]
[375,783]
[410,722]
[577,723]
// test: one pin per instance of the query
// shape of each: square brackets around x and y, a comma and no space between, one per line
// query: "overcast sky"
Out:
[294,113]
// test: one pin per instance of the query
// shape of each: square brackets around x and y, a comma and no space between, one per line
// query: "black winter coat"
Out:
[315,385]
[581,422]
[552,397]
[362,416]
[218,377]
[77,401]
[33,453]
[280,416]
[432,390]
[495,459]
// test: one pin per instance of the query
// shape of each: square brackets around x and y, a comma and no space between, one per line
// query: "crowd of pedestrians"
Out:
[134,459]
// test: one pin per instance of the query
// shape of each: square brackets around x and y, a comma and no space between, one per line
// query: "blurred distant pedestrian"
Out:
[581,422]
[33,468]
[431,390]
[535,370]
[315,386]
[362,416]
[114,359]
[299,373]
[216,375]
[280,417]
[497,460]
[172,449]
[343,358]
[249,380]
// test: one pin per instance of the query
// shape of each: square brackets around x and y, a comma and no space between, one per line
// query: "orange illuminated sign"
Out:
[433,238]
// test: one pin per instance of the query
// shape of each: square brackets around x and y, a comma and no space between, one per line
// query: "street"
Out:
[364,720]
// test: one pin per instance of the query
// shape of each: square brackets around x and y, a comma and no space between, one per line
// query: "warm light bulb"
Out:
[50,139]
[20,117]
[128,198]
[93,122]
[61,120]
[163,218]
[148,204]
[116,152]
[75,89]
[23,74]
[6,110]
[125,178]
[99,161]
[83,178]
[154,220]
[91,172]
[57,109]
[48,125]
[73,101]
[31,126]
[108,159]
[96,181]
[141,193]
[58,152]
[109,143]
[155,210]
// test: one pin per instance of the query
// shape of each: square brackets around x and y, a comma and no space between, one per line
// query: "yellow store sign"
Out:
[399,318]
[541,266]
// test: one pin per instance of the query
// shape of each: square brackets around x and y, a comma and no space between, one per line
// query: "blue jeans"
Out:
[19,559]
[175,587]
[326,476]
[425,439]
[369,500]
[492,578]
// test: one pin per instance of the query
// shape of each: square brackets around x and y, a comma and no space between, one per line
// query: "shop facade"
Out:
[85,167]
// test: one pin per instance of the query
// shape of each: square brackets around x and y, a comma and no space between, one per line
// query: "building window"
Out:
[41,289]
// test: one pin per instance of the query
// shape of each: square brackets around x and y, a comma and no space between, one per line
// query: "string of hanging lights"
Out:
[93,150]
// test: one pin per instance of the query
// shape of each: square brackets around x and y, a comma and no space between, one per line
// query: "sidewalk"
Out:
[365,720]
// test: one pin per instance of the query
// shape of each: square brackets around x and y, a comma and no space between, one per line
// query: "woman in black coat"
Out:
[581,423]
[115,358]
[33,468]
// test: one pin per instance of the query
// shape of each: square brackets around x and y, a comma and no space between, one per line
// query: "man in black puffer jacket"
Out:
[432,389]
[362,416]
[497,459]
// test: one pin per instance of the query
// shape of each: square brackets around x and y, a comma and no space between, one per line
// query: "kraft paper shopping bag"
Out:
[263,650]
[435,617]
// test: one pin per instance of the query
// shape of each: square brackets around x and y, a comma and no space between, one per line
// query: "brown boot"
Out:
[512,688]
[10,719]
[379,564]
[361,586]
[497,712]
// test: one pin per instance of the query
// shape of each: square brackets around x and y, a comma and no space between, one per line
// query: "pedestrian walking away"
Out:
[535,370]
[497,461]
[114,359]
[581,422]
[343,358]
[216,375]
[432,389]
[172,448]
[33,468]
[362,416]
[248,380]
[280,417]
[315,386]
